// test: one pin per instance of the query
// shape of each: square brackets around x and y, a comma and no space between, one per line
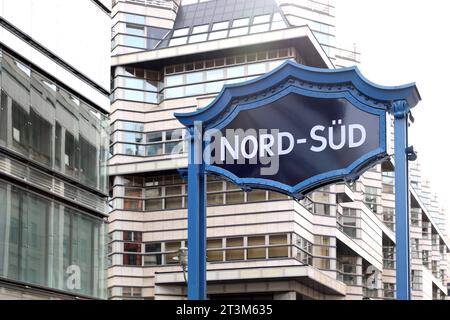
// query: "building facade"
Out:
[338,243]
[54,139]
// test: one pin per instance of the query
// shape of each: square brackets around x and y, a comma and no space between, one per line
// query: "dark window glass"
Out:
[157,33]
[20,128]
[132,260]
[132,247]
[154,137]
[58,143]
[153,247]
[88,161]
[3,118]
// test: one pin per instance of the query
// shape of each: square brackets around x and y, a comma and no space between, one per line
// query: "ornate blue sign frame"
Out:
[290,77]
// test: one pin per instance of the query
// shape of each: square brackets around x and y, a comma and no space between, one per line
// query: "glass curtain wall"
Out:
[46,243]
[46,124]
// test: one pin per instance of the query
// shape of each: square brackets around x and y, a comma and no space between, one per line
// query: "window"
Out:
[176,134]
[178,41]
[133,41]
[416,217]
[261,19]
[238,32]
[372,198]
[198,38]
[157,33]
[257,68]
[131,137]
[235,197]
[389,290]
[347,270]
[218,35]
[304,251]
[132,247]
[214,86]
[277,196]
[215,74]
[213,254]
[215,199]
[131,149]
[416,276]
[388,217]
[275,64]
[152,247]
[131,292]
[200,29]
[235,254]
[278,25]
[155,257]
[234,72]
[256,196]
[131,126]
[220,26]
[174,92]
[172,252]
[260,251]
[174,80]
[132,236]
[260,28]
[194,77]
[132,260]
[135,30]
[389,257]
[133,192]
[194,90]
[180,32]
[20,128]
[277,17]
[240,22]
[133,18]
[275,250]
[348,222]
[41,139]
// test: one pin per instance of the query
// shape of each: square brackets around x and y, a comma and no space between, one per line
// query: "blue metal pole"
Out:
[401,110]
[196,217]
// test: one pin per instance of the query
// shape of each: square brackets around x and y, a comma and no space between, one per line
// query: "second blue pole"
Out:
[196,216]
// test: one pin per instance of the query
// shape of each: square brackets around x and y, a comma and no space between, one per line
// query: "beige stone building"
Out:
[338,243]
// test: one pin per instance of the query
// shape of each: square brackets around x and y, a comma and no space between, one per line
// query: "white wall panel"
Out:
[78,32]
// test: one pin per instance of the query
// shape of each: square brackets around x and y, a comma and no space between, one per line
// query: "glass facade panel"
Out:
[256,253]
[240,22]
[200,29]
[237,254]
[50,244]
[278,251]
[238,32]
[195,89]
[260,28]
[220,25]
[218,35]
[50,126]
[216,74]
[234,72]
[257,68]
[136,42]
[198,38]
[194,77]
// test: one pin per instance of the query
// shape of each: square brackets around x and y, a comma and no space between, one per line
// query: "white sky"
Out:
[405,41]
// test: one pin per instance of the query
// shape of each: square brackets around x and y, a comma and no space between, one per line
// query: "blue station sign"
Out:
[294,141]
[294,130]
